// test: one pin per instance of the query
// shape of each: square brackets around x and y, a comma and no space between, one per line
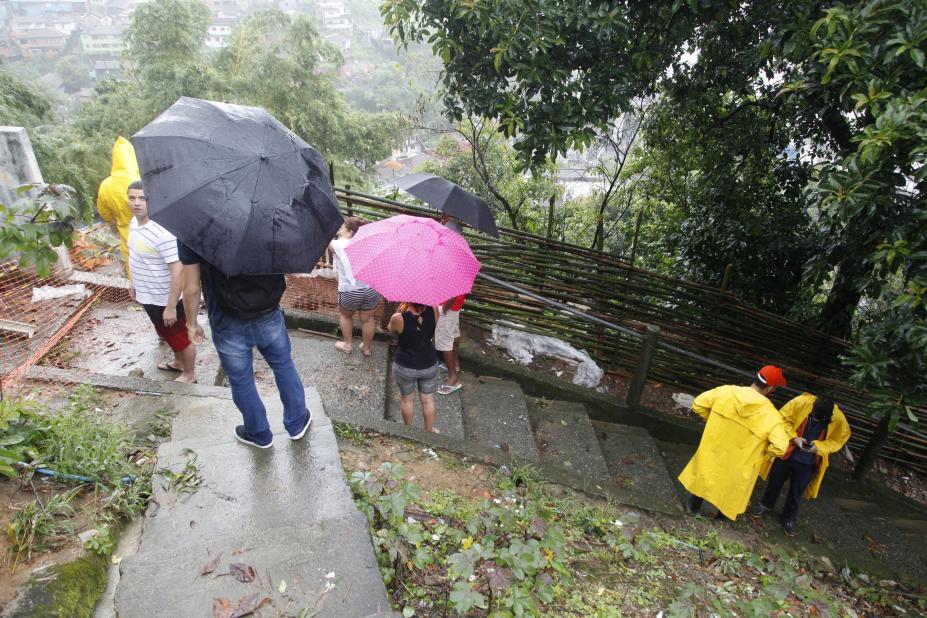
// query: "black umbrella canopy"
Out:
[452,199]
[237,186]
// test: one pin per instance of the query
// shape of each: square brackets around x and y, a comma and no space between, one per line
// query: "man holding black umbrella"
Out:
[248,201]
[244,313]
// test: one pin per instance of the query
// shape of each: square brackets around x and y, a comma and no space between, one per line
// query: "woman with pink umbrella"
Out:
[415,366]
[420,263]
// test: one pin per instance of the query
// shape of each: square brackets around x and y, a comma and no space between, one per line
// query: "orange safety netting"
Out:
[83,318]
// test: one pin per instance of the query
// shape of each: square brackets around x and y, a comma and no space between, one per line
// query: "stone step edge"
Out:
[497,457]
[538,414]
[141,386]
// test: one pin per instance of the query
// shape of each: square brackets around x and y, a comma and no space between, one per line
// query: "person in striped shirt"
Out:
[157,282]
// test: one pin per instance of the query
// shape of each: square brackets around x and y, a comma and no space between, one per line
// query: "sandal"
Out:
[343,347]
[165,366]
[447,389]
[367,353]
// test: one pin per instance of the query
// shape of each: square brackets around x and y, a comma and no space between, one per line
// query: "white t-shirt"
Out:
[346,280]
[151,249]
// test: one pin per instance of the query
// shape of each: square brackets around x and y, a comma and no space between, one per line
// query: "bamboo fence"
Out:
[708,337]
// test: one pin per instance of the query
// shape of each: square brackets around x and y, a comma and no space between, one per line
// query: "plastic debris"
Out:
[524,346]
[47,292]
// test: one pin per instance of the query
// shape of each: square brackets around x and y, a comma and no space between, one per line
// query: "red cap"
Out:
[770,375]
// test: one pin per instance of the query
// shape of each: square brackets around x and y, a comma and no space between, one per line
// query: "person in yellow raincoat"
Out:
[743,430]
[112,200]
[817,428]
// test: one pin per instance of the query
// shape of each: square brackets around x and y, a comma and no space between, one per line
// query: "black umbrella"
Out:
[238,187]
[451,199]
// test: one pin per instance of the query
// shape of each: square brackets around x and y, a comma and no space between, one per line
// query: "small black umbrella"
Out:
[451,199]
[238,187]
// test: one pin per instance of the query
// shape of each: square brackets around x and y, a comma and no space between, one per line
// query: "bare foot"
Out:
[367,353]
[186,379]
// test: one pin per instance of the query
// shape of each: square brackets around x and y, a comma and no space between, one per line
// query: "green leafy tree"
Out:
[281,63]
[22,104]
[164,47]
[738,197]
[74,72]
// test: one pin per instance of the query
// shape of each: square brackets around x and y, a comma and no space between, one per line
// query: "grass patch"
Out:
[351,433]
[87,456]
[531,550]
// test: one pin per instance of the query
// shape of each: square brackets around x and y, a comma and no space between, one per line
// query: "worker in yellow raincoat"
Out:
[817,428]
[742,432]
[112,198]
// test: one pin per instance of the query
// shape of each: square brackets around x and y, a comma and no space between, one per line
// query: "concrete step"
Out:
[352,387]
[565,437]
[309,557]
[495,414]
[244,489]
[448,412]
[213,421]
[634,461]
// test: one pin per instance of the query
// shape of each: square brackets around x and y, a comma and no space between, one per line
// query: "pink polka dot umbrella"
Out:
[412,259]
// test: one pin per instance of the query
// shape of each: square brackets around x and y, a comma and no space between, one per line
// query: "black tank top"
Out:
[416,341]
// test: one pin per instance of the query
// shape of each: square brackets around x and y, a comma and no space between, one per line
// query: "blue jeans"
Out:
[798,474]
[234,342]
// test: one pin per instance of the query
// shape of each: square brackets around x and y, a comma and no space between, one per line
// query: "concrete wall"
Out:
[17,162]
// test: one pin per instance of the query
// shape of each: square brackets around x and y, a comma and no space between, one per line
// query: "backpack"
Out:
[248,297]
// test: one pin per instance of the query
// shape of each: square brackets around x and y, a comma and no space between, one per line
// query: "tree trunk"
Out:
[599,242]
[837,313]
[871,452]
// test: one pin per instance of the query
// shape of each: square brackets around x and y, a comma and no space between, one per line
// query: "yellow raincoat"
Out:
[838,433]
[112,198]
[743,431]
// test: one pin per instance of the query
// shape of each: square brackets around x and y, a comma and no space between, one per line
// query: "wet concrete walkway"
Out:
[278,523]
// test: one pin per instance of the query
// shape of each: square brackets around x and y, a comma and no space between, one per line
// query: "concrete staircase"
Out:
[493,413]
[285,515]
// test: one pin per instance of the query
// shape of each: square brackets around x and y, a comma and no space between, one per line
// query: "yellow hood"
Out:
[124,162]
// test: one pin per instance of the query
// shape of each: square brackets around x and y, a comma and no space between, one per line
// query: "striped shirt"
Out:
[151,249]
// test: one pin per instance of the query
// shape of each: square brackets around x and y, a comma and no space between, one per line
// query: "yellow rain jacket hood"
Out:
[112,198]
[838,433]
[743,431]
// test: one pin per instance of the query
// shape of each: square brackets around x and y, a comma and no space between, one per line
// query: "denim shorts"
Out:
[425,380]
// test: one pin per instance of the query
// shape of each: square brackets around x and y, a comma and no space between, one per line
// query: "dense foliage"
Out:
[787,138]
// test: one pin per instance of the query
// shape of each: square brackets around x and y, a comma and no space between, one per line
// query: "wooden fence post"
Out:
[550,217]
[637,231]
[347,200]
[726,277]
[648,346]
[873,448]
[331,172]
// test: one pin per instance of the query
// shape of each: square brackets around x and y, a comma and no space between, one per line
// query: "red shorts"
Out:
[176,335]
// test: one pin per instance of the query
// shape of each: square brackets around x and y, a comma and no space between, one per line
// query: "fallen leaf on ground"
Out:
[249,604]
[242,572]
[221,608]
[210,566]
